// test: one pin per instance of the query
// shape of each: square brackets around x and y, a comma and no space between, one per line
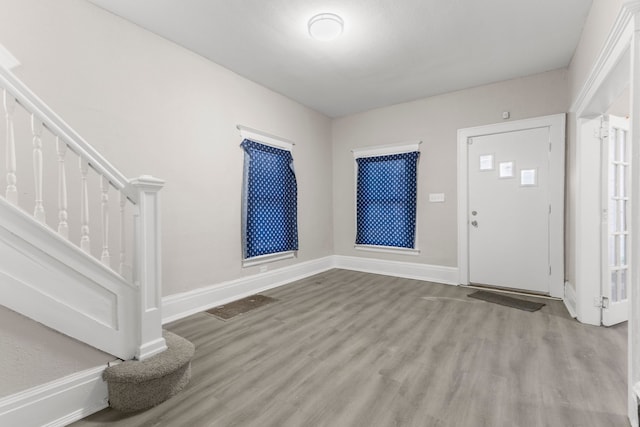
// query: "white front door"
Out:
[616,176]
[508,209]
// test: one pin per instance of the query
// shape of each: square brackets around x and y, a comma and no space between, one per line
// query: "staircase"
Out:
[87,266]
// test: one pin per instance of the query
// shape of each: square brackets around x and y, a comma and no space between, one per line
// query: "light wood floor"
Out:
[348,349]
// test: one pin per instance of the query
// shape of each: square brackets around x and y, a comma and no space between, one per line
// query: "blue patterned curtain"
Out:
[386,205]
[270,200]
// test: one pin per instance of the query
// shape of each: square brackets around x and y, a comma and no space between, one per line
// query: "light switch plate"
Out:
[436,197]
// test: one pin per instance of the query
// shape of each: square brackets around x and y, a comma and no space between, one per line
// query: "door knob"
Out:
[474,223]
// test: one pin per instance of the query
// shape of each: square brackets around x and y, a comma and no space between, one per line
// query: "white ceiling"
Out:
[391,51]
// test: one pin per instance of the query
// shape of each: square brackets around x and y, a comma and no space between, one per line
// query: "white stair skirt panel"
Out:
[57,403]
[49,280]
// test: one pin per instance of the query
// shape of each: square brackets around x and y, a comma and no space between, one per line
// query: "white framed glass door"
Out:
[616,219]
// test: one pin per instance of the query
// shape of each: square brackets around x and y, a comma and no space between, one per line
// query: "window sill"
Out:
[264,259]
[388,249]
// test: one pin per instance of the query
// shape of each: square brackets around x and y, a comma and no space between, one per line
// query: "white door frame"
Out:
[616,66]
[556,125]
[608,78]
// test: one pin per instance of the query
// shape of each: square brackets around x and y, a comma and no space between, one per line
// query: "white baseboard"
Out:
[181,305]
[408,270]
[57,403]
[178,306]
[570,299]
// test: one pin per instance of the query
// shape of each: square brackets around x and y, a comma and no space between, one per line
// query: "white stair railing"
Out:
[137,205]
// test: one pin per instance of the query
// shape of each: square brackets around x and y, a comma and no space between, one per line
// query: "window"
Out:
[269,203]
[386,192]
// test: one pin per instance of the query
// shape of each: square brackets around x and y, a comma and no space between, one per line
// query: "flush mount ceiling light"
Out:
[325,26]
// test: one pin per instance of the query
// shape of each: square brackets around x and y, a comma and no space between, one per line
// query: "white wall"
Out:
[151,107]
[435,121]
[32,354]
[594,33]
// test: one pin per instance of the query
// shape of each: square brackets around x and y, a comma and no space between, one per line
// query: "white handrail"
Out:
[32,103]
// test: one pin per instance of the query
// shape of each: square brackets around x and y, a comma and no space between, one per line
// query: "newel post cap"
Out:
[147,182]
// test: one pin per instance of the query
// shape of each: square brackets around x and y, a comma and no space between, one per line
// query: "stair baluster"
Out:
[36,131]
[85,241]
[63,226]
[11,194]
[104,187]
[122,268]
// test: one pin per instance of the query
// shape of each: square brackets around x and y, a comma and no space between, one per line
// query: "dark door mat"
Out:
[501,299]
[233,309]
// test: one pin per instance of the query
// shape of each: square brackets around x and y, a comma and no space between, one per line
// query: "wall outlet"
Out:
[436,197]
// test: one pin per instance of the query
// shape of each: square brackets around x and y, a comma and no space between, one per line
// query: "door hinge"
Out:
[549,208]
[601,133]
[601,302]
[549,147]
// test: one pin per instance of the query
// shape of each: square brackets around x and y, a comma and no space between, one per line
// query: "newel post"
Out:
[148,266]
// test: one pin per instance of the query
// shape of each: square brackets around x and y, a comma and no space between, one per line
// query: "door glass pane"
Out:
[622,250]
[612,181]
[622,289]
[613,216]
[621,180]
[614,286]
[613,148]
[622,215]
[612,250]
[621,142]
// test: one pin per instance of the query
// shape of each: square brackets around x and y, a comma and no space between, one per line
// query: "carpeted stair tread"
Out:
[179,352]
[138,385]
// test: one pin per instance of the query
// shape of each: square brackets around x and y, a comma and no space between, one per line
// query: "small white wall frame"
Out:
[556,124]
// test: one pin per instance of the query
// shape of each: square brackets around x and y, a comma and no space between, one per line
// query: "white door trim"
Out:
[609,75]
[556,125]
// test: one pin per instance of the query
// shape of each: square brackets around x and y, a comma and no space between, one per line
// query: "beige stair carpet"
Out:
[137,385]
